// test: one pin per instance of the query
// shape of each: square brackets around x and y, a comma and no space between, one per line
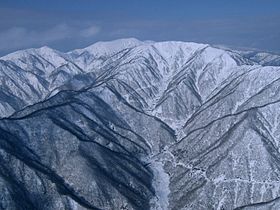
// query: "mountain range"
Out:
[131,124]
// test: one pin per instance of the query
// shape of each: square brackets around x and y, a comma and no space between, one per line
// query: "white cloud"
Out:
[20,37]
[89,32]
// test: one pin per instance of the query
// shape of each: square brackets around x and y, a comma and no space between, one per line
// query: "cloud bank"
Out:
[22,37]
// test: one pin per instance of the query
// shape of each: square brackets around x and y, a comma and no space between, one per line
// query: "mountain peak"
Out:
[109,47]
[31,51]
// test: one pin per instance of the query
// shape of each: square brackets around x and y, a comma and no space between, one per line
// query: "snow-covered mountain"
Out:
[132,124]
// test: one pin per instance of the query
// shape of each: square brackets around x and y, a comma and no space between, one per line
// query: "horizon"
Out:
[222,47]
[66,25]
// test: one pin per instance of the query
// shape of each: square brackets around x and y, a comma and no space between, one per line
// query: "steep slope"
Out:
[230,149]
[79,153]
[128,124]
[19,87]
[28,76]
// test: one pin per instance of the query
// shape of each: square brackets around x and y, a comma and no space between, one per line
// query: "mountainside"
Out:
[128,124]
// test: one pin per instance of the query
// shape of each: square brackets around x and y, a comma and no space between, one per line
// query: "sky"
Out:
[72,24]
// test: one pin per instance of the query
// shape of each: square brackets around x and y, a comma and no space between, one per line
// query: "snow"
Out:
[47,55]
[219,179]
[168,62]
[161,186]
[220,205]
[73,204]
[171,49]
[53,56]
[110,47]
[6,109]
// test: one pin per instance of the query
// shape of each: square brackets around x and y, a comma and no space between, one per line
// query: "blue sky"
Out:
[70,24]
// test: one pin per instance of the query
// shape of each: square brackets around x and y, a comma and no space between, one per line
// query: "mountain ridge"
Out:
[139,125]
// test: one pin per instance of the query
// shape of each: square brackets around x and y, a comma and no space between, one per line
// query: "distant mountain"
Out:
[131,124]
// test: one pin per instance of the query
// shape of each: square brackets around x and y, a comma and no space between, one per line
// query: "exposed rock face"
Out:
[139,125]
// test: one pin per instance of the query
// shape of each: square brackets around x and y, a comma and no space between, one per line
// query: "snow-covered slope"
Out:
[263,58]
[132,124]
